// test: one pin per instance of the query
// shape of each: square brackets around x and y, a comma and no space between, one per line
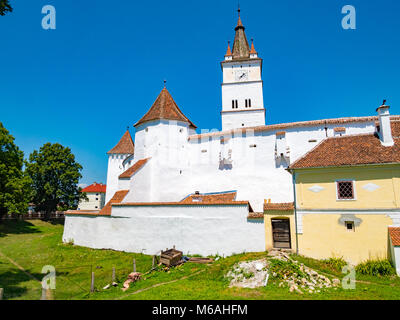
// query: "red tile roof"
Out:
[117,198]
[339,129]
[95,187]
[281,126]
[255,215]
[394,233]
[210,198]
[106,211]
[352,150]
[164,108]
[135,168]
[124,146]
[285,206]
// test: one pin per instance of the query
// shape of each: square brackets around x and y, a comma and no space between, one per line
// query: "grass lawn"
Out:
[27,246]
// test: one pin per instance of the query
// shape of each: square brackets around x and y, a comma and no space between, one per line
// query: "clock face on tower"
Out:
[241,75]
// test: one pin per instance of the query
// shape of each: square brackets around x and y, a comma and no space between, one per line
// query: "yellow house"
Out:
[347,195]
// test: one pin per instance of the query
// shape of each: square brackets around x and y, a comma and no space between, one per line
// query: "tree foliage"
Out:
[55,175]
[5,7]
[15,189]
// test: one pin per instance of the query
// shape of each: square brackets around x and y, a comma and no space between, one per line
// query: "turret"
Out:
[120,158]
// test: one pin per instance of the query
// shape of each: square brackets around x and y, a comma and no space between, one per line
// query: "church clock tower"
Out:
[242,86]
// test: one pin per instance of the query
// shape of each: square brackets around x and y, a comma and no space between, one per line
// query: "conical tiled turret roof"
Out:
[124,146]
[164,108]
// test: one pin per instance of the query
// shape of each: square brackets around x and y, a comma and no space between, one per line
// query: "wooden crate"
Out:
[170,257]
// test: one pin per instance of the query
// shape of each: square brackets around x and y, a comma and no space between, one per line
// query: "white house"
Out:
[226,175]
[96,194]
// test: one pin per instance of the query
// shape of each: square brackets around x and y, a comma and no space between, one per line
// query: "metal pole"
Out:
[134,265]
[92,283]
[113,274]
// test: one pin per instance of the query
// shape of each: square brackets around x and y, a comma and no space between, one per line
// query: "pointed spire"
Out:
[124,146]
[239,23]
[240,45]
[228,51]
[164,108]
[252,50]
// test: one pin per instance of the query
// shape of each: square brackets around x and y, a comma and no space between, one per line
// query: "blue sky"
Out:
[82,84]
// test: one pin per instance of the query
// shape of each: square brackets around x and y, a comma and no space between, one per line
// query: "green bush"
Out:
[285,268]
[376,268]
[335,263]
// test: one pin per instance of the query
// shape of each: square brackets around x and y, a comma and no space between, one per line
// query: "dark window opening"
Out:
[349,225]
[345,190]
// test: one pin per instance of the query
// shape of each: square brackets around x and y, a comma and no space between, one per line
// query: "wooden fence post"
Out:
[134,265]
[113,274]
[92,283]
[1,293]
[153,261]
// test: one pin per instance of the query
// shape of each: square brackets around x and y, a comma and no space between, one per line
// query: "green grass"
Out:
[35,244]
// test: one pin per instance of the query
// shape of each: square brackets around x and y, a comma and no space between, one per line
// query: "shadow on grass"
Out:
[17,227]
[12,283]
[59,221]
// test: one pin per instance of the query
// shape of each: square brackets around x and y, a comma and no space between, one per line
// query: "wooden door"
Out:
[281,233]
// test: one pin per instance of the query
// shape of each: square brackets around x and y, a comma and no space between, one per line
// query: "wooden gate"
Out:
[281,233]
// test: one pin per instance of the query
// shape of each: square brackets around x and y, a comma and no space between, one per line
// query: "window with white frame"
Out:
[345,190]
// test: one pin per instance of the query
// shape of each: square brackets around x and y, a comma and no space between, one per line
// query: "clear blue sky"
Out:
[82,84]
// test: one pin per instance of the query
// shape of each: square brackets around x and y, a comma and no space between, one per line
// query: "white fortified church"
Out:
[203,193]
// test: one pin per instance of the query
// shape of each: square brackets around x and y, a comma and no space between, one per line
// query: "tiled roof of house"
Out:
[124,146]
[210,198]
[281,126]
[339,129]
[285,206]
[106,211]
[394,233]
[132,170]
[352,150]
[164,108]
[95,187]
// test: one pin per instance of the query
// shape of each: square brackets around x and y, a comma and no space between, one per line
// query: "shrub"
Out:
[335,263]
[376,268]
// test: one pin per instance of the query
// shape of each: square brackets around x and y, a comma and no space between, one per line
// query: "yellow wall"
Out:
[387,177]
[324,237]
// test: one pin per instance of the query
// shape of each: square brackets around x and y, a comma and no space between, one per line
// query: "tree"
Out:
[55,175]
[5,7]
[15,189]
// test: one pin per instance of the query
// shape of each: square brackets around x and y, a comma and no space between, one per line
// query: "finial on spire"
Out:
[239,8]
[127,128]
[165,83]
[384,101]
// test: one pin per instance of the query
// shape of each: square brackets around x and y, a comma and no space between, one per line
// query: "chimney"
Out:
[385,130]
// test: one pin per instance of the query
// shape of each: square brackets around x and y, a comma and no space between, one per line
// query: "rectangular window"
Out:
[245,103]
[233,104]
[236,104]
[349,225]
[249,103]
[345,190]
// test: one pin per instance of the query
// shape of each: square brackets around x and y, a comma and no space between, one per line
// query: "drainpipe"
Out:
[295,208]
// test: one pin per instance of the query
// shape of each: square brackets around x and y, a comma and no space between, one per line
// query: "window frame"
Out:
[353,186]
[353,228]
